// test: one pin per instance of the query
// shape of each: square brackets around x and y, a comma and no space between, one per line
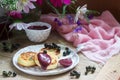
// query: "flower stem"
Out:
[57,12]
[64,10]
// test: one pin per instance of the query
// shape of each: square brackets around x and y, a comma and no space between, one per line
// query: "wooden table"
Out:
[20,37]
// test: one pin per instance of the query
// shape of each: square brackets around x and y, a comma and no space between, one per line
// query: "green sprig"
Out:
[8,4]
[55,9]
[64,10]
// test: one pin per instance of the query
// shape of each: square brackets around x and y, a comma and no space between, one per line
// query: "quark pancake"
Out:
[27,59]
[54,62]
[52,51]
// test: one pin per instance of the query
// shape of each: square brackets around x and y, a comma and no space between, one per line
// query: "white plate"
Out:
[36,70]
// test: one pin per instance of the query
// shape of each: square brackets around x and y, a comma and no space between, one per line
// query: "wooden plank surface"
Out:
[7,65]
[111,70]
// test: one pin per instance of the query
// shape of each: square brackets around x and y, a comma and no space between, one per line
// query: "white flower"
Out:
[80,12]
[18,26]
[25,5]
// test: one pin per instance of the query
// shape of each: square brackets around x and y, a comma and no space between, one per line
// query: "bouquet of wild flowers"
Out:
[62,19]
[18,10]
[21,10]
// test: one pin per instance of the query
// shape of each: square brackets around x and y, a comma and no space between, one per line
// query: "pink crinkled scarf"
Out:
[100,39]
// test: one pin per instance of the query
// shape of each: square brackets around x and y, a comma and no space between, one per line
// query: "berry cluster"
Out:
[9,74]
[66,52]
[9,47]
[52,46]
[90,69]
[75,74]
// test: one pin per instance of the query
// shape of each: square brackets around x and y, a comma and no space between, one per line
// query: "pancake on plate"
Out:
[27,59]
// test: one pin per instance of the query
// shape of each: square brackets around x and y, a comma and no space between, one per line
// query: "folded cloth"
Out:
[100,38]
[108,18]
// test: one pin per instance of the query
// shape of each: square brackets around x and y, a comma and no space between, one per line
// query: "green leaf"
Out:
[64,10]
[92,12]
[55,9]
[87,19]
[8,4]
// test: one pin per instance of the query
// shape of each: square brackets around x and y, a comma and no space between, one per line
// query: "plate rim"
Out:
[36,74]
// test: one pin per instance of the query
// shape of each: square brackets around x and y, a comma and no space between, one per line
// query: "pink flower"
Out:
[15,14]
[39,2]
[25,5]
[66,2]
[59,3]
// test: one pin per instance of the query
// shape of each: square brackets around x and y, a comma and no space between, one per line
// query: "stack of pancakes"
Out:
[30,59]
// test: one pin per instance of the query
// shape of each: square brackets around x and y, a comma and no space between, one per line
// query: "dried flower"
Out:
[80,12]
[15,14]
[77,29]
[70,19]
[58,22]
[25,5]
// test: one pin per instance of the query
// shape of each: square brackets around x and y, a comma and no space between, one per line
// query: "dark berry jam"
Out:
[38,27]
[44,59]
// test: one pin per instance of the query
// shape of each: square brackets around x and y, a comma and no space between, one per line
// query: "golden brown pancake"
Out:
[27,59]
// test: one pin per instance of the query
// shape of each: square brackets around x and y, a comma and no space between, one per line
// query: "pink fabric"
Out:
[100,39]
[49,19]
[107,17]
